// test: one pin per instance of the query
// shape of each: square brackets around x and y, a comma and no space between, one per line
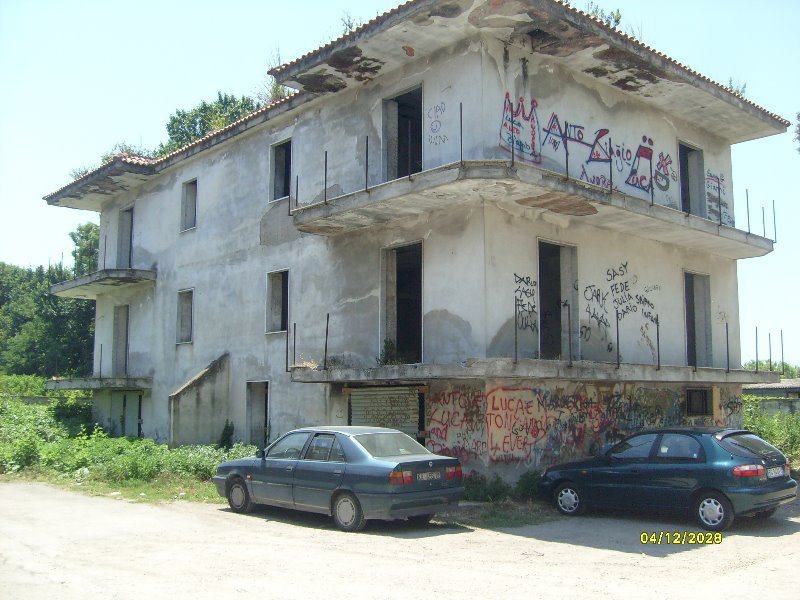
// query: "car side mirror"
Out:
[260,454]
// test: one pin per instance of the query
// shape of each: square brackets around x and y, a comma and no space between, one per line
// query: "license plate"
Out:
[773,472]
[429,476]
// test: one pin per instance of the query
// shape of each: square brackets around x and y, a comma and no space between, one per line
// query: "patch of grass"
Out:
[163,488]
[498,515]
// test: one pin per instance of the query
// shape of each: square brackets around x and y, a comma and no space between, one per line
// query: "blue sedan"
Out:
[711,473]
[350,473]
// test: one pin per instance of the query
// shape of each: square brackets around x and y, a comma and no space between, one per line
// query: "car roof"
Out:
[349,430]
[706,430]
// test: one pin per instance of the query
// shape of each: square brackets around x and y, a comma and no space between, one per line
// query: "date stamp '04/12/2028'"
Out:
[680,537]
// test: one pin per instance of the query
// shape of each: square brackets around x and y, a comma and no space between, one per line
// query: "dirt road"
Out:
[57,544]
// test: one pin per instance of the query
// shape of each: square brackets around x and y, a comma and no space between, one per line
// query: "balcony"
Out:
[540,190]
[122,383]
[508,368]
[89,287]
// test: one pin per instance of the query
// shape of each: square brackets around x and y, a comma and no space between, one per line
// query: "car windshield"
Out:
[390,444]
[747,444]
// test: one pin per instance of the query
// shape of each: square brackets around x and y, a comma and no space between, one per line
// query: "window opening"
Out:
[258,405]
[692,180]
[277,301]
[698,403]
[403,291]
[189,205]
[281,169]
[698,319]
[120,345]
[403,134]
[125,239]
[557,273]
[185,316]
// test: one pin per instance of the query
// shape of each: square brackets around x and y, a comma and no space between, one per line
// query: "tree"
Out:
[790,371]
[87,244]
[737,88]
[185,127]
[270,90]
[41,334]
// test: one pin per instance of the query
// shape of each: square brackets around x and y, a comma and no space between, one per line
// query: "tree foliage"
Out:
[789,371]
[187,126]
[41,334]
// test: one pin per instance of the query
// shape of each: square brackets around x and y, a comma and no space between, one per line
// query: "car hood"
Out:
[239,462]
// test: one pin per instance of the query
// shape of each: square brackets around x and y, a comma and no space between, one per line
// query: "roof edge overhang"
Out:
[124,172]
[596,33]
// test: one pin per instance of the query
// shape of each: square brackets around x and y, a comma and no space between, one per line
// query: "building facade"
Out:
[502,227]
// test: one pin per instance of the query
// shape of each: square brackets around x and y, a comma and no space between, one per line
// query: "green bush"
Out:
[527,486]
[781,430]
[480,489]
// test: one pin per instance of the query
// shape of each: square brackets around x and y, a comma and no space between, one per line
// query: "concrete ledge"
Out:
[100,383]
[506,368]
[102,282]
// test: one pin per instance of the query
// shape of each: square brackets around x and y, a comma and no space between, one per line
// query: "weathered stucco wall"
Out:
[532,424]
[478,259]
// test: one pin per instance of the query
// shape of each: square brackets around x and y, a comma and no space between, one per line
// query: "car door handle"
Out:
[337,472]
[289,468]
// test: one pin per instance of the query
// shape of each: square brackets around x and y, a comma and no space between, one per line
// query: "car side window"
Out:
[289,447]
[676,447]
[635,448]
[320,447]
[337,454]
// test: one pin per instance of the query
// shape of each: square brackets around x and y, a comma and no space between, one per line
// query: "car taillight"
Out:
[453,472]
[401,477]
[748,470]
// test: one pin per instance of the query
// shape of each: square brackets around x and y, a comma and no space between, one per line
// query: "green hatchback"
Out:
[711,473]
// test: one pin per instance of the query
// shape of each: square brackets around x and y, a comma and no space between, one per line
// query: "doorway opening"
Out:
[258,412]
[402,132]
[403,304]
[558,301]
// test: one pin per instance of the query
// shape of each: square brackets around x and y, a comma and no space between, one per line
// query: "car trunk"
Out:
[427,473]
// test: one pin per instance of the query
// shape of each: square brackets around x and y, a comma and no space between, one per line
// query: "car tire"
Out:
[766,514]
[568,499]
[713,511]
[347,513]
[238,497]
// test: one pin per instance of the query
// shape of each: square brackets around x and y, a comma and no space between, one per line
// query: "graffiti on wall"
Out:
[640,169]
[620,297]
[520,130]
[535,426]
[436,135]
[525,303]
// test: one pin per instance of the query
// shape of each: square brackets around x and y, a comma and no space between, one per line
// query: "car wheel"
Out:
[420,519]
[713,511]
[238,496]
[765,514]
[568,499]
[347,513]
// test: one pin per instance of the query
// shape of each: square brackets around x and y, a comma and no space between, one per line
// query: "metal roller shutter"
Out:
[395,407]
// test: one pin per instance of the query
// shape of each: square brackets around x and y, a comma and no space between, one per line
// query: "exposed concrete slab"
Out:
[100,383]
[500,181]
[507,368]
[102,282]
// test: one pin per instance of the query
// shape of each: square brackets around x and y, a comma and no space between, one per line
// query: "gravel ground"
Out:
[59,544]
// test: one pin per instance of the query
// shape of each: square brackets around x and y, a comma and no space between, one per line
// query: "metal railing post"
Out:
[769,338]
[325,356]
[516,356]
[658,343]
[569,330]
[617,311]
[564,138]
[774,224]
[461,131]
[294,343]
[325,181]
[756,349]
[366,166]
[747,195]
[610,168]
[727,349]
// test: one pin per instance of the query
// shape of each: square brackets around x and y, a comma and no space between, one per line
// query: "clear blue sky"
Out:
[80,76]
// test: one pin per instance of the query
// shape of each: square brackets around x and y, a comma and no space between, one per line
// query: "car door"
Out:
[318,473]
[677,468]
[617,483]
[273,476]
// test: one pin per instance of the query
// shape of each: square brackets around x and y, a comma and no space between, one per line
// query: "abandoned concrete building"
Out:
[500,226]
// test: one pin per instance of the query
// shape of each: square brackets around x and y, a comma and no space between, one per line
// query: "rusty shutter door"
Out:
[394,407]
